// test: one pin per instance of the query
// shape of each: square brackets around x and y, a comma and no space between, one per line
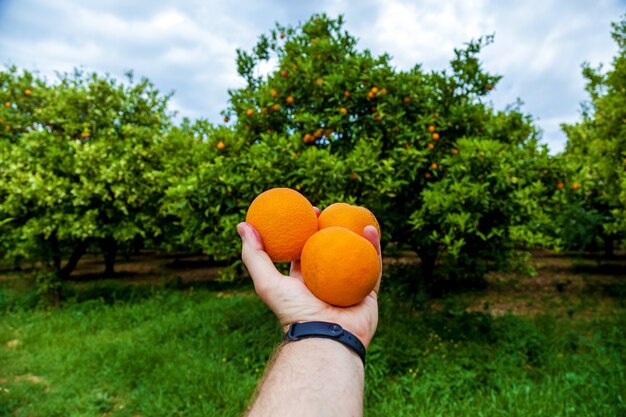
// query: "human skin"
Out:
[314,376]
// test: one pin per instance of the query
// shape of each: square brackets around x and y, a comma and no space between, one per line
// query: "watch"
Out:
[299,331]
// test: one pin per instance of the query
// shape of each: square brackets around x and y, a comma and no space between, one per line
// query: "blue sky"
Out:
[188,46]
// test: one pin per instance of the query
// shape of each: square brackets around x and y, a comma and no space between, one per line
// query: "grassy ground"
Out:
[143,350]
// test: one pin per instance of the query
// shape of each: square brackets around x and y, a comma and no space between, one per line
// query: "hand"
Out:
[291,300]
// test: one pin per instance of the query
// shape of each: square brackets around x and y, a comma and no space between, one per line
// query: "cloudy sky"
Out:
[188,46]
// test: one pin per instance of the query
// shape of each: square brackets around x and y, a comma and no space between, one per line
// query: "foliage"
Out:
[596,146]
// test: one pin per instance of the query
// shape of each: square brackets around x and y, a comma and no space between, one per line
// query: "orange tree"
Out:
[596,147]
[445,173]
[81,167]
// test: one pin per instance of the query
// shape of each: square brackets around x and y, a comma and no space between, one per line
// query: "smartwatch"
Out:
[299,331]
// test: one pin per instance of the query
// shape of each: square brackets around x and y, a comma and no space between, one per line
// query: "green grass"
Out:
[166,352]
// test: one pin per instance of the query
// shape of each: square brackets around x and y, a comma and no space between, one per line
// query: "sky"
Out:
[189,46]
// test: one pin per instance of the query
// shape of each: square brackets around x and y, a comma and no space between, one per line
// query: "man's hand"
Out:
[292,301]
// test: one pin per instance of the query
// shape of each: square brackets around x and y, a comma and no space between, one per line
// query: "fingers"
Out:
[371,233]
[260,266]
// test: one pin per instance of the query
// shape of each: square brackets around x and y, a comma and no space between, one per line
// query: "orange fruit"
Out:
[276,107]
[282,36]
[346,94]
[428,175]
[250,112]
[431,146]
[378,117]
[374,90]
[290,100]
[343,111]
[575,186]
[435,136]
[220,145]
[308,138]
[455,151]
[407,100]
[345,215]
[285,220]
[433,166]
[339,266]
[7,104]
[560,185]
[28,92]
[273,92]
[226,119]
[431,128]
[284,73]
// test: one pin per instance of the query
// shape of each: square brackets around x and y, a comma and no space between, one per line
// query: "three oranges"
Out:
[338,264]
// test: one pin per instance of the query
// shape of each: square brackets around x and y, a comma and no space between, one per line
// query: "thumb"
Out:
[261,268]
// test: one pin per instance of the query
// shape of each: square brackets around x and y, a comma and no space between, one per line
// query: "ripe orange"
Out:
[431,146]
[339,266]
[28,92]
[428,175]
[345,215]
[220,146]
[250,112]
[433,166]
[7,104]
[560,185]
[343,111]
[284,73]
[273,92]
[435,136]
[407,100]
[276,107]
[282,36]
[308,138]
[374,90]
[290,100]
[226,119]
[455,151]
[431,128]
[378,117]
[575,186]
[285,220]
[346,94]
[85,134]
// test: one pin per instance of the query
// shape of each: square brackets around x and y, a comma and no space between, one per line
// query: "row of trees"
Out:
[88,162]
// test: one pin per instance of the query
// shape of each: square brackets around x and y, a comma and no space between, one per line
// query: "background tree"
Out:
[446,174]
[596,146]
[85,171]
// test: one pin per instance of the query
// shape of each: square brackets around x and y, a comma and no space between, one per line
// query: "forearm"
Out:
[312,377]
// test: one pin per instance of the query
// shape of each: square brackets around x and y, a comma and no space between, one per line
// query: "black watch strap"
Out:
[298,331]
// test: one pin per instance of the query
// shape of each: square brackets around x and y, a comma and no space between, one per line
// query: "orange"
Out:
[455,151]
[435,136]
[250,112]
[431,129]
[343,111]
[407,100]
[290,100]
[28,91]
[431,146]
[285,220]
[346,94]
[560,185]
[273,92]
[339,266]
[345,215]
[276,107]
[282,36]
[226,119]
[7,104]
[284,74]
[220,146]
[575,186]
[433,166]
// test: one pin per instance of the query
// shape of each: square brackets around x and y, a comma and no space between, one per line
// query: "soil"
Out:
[569,284]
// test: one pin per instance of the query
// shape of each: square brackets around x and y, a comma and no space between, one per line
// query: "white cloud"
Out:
[189,46]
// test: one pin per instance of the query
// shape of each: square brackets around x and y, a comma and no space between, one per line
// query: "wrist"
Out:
[326,330]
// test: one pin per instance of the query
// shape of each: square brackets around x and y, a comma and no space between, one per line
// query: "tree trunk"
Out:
[428,256]
[609,246]
[56,251]
[77,253]
[109,249]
